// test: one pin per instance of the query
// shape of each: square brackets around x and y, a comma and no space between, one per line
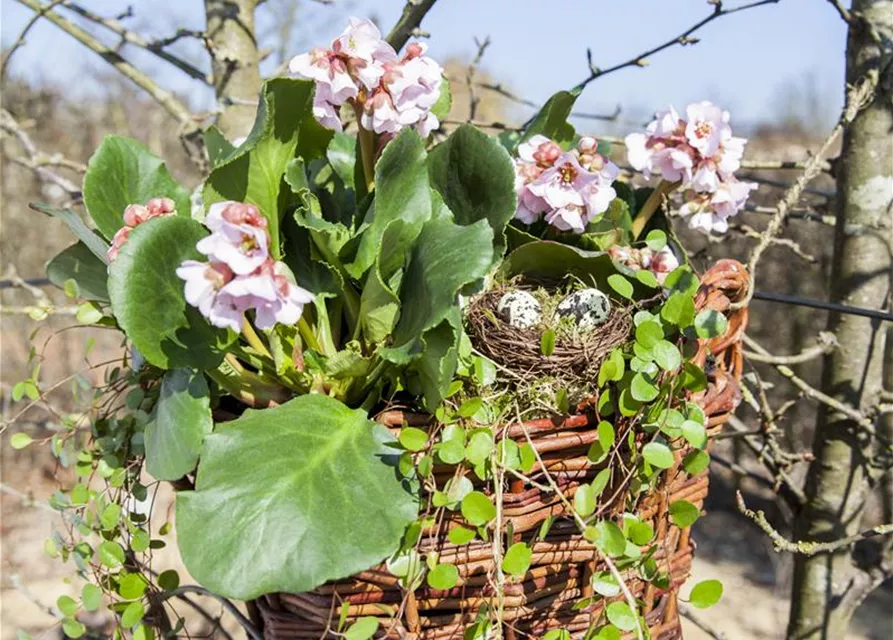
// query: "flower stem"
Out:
[254,340]
[367,152]
[651,205]
[307,335]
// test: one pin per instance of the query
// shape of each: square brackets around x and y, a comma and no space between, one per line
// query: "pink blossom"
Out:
[568,218]
[707,127]
[134,215]
[203,282]
[239,236]
[366,51]
[270,293]
[662,263]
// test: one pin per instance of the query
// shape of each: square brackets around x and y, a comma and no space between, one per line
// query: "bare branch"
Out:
[827,342]
[413,14]
[21,39]
[165,98]
[505,93]
[473,100]
[156,47]
[805,547]
[857,97]
[683,39]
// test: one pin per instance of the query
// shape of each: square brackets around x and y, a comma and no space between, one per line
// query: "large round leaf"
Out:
[123,172]
[80,264]
[290,497]
[147,296]
[181,420]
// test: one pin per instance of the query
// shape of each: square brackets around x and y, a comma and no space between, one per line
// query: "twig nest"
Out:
[520,309]
[588,308]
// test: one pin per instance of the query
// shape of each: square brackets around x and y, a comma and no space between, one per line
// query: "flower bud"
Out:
[547,153]
[135,214]
[587,144]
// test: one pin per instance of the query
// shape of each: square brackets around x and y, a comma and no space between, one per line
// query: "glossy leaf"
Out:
[684,513]
[80,264]
[551,120]
[313,529]
[478,509]
[123,171]
[706,594]
[443,577]
[658,455]
[621,616]
[253,172]
[517,559]
[147,296]
[181,420]
[475,177]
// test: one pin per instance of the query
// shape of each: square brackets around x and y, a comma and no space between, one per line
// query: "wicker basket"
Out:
[563,561]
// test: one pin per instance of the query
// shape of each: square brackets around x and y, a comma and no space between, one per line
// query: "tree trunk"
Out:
[234,62]
[828,587]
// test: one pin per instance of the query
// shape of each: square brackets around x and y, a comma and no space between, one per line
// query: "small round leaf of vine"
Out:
[706,594]
[290,497]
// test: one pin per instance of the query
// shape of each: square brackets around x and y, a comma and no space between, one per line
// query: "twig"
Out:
[826,343]
[857,97]
[499,89]
[473,100]
[226,604]
[21,39]
[413,14]
[165,98]
[156,47]
[804,547]
[683,39]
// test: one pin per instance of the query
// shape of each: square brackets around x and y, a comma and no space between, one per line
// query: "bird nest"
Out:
[577,354]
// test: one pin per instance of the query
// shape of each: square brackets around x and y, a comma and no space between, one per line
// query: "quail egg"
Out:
[520,309]
[588,307]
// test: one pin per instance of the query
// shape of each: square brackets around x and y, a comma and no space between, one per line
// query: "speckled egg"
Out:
[588,307]
[520,309]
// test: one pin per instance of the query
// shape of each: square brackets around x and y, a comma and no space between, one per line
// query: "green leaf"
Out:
[695,433]
[181,420]
[444,259]
[402,193]
[643,388]
[710,324]
[72,628]
[431,373]
[551,120]
[605,584]
[517,559]
[656,240]
[478,509]
[94,242]
[254,172]
[694,378]
[612,368]
[679,309]
[362,629]
[475,177]
[80,264]
[461,535]
[548,259]
[169,580]
[147,296]
[91,597]
[443,577]
[639,532]
[621,285]
[695,462]
[218,147]
[609,538]
[682,279]
[132,614]
[666,355]
[601,481]
[413,439]
[528,457]
[110,516]
[111,554]
[649,333]
[600,449]
[547,342]
[20,440]
[67,605]
[132,586]
[706,594]
[647,278]
[658,455]
[123,171]
[316,526]
[585,500]
[621,616]
[342,154]
[684,513]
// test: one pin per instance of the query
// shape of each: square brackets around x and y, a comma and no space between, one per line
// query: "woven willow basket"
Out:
[562,563]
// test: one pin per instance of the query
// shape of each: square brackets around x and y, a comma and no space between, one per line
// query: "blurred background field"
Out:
[65,101]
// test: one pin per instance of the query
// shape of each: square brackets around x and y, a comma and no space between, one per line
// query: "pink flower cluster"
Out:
[240,275]
[660,263]
[700,152]
[363,70]
[134,215]
[569,189]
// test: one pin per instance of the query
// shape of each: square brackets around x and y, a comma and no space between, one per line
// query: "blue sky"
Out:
[743,61]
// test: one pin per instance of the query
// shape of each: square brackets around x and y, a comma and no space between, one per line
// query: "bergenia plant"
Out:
[318,279]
